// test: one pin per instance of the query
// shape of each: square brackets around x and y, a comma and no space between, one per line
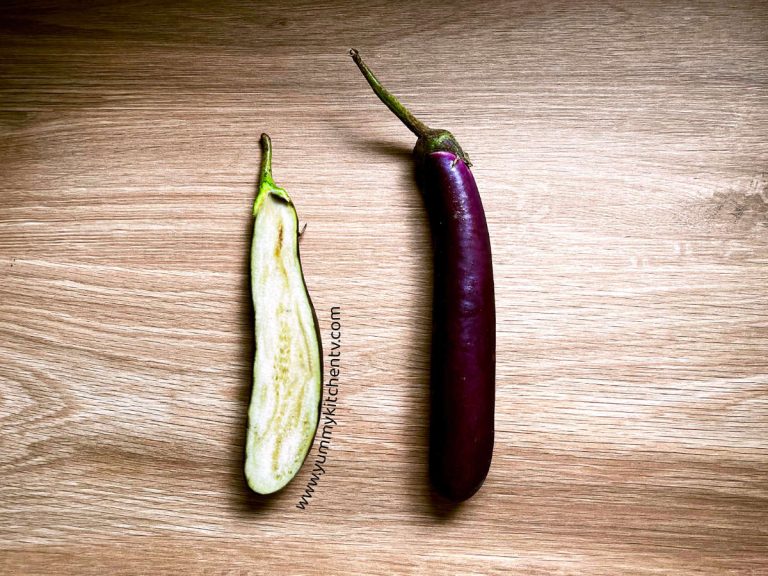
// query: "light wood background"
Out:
[622,153]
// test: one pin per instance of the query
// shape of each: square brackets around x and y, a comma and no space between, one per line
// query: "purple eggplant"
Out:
[463,363]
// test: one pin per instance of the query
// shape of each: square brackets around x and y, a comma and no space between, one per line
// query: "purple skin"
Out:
[463,329]
[464,315]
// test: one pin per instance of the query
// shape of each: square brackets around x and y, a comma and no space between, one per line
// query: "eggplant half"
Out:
[287,371]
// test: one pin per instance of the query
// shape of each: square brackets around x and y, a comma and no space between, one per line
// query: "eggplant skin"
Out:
[464,328]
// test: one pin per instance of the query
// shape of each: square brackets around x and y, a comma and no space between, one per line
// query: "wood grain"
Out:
[622,155]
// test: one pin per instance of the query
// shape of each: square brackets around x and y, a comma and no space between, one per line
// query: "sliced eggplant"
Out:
[287,372]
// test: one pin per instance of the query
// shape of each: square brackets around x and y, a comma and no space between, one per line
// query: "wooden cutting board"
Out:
[621,153]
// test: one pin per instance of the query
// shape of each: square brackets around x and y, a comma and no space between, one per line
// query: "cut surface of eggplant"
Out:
[287,372]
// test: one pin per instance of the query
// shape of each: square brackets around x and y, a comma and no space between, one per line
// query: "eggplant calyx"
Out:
[440,141]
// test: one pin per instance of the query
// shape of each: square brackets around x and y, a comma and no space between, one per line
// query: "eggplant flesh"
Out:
[287,373]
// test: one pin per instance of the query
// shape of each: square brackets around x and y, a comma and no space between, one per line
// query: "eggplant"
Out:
[284,408]
[463,357]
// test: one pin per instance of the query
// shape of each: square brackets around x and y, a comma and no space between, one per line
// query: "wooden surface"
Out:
[621,151]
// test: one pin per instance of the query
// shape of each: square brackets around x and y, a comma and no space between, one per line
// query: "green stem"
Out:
[414,124]
[429,140]
[266,183]
[266,162]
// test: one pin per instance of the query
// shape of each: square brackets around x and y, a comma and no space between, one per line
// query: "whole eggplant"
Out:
[463,363]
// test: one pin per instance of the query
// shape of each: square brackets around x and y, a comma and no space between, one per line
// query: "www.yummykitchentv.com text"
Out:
[328,409]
